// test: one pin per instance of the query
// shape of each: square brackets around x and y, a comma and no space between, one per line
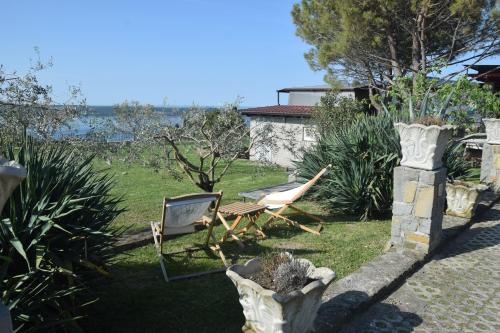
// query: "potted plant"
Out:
[11,174]
[492,126]
[280,293]
[462,198]
[424,136]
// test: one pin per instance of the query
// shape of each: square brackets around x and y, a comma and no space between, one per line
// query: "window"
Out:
[309,133]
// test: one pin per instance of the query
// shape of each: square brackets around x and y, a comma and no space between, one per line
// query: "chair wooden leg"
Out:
[314,217]
[291,222]
[218,251]
[163,268]
[158,248]
[273,216]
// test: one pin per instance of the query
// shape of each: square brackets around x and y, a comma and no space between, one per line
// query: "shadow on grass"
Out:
[137,299]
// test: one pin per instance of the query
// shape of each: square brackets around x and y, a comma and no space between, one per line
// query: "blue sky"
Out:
[186,51]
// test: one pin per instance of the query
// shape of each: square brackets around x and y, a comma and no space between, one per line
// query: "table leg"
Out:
[230,230]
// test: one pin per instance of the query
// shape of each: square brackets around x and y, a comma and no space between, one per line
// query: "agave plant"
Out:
[55,231]
[428,104]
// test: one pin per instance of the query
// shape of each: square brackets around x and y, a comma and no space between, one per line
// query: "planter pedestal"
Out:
[417,213]
[490,166]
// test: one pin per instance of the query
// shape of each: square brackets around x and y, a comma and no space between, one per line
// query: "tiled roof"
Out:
[279,110]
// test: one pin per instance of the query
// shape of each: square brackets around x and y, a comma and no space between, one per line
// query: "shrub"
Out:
[363,157]
[335,111]
[457,166]
[55,232]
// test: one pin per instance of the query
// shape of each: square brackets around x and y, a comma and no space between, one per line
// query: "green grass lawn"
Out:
[136,298]
[144,189]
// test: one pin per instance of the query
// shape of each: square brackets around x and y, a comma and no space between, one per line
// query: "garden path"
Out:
[457,291]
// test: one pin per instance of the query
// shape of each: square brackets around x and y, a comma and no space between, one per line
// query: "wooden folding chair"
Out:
[283,200]
[178,215]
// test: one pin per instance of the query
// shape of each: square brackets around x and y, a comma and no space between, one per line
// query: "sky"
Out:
[171,52]
[205,52]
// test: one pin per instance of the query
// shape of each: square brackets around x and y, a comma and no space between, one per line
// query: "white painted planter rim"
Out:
[11,168]
[323,276]
[440,127]
[468,185]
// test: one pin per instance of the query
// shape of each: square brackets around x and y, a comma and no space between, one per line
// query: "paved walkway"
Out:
[457,291]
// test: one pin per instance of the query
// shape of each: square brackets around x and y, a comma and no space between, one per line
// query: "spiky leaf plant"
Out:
[363,157]
[55,233]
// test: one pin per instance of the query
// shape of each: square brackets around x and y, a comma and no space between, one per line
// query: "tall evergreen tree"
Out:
[374,41]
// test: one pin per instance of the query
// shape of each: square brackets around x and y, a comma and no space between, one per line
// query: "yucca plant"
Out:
[55,233]
[457,166]
[363,158]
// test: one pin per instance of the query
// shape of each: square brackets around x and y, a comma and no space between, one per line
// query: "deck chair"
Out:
[280,201]
[178,214]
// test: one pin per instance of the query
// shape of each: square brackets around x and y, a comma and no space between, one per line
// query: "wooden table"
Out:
[241,210]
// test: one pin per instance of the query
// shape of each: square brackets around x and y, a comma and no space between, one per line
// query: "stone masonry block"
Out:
[425,201]
[408,224]
[486,164]
[409,191]
[433,177]
[405,174]
[497,161]
[401,208]
[424,225]
[418,237]
[495,149]
[396,226]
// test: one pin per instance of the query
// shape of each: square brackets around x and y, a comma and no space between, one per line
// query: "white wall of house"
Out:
[312,98]
[285,129]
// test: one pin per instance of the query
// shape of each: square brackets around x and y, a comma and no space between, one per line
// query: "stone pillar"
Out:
[490,166]
[417,213]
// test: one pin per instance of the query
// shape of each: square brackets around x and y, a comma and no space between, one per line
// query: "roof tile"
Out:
[279,110]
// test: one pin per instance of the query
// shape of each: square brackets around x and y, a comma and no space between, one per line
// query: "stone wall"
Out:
[419,198]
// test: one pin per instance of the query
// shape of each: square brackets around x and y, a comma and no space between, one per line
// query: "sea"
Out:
[97,116]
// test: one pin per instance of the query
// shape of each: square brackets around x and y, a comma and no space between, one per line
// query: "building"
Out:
[489,74]
[291,122]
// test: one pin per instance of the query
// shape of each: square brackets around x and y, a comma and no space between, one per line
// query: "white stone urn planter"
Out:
[492,130]
[11,175]
[462,198]
[423,146]
[268,312]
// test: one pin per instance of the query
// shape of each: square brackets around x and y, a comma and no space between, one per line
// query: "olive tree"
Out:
[208,143]
[27,106]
